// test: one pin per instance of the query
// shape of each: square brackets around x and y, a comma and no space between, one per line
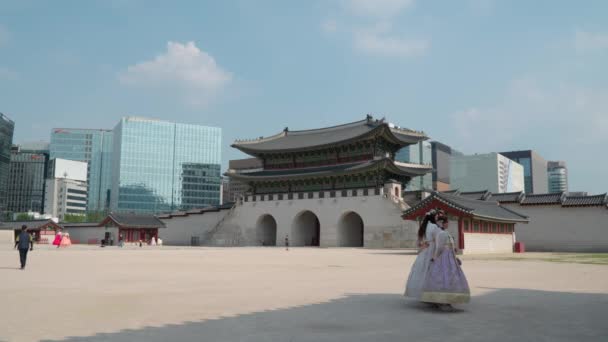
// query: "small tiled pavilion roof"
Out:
[31,224]
[507,197]
[486,210]
[290,141]
[476,195]
[200,211]
[133,220]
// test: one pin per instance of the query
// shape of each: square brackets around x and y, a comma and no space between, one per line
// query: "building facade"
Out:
[25,188]
[535,170]
[420,153]
[160,166]
[93,146]
[491,171]
[66,188]
[441,156]
[7,127]
[333,186]
[557,174]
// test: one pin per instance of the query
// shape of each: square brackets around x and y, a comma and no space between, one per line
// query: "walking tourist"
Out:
[24,242]
[57,240]
[121,240]
[426,247]
[445,282]
[287,242]
[65,240]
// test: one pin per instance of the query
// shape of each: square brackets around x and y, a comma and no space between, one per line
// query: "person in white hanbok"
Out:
[426,244]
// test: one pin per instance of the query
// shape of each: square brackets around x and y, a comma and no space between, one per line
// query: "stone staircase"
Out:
[219,235]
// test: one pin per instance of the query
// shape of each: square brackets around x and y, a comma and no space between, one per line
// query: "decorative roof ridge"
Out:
[366,121]
[408,131]
[260,139]
[286,131]
[587,196]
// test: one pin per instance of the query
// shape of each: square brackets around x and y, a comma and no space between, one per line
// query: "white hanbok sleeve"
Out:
[441,239]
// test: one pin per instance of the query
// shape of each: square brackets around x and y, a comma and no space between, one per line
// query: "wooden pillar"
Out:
[461,233]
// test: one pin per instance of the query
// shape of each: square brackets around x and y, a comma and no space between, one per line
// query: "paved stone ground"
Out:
[268,294]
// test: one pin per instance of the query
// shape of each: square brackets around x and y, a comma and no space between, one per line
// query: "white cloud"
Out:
[379,41]
[530,113]
[183,66]
[589,41]
[377,8]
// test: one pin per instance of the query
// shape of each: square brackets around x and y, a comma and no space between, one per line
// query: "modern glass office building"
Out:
[160,166]
[95,147]
[7,126]
[420,153]
[557,176]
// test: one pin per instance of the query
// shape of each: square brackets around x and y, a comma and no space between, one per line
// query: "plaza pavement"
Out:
[267,294]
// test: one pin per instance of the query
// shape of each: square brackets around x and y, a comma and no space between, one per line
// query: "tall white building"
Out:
[491,171]
[66,188]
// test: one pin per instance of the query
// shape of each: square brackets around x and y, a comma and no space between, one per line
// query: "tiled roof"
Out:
[537,199]
[390,165]
[316,138]
[135,220]
[585,201]
[481,209]
[506,197]
[476,195]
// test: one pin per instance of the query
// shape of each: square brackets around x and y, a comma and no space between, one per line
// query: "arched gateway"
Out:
[305,230]
[350,230]
[266,230]
[326,166]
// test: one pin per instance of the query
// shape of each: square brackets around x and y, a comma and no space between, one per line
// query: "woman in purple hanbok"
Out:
[445,282]
[426,246]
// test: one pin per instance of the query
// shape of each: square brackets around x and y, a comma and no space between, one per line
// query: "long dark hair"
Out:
[430,217]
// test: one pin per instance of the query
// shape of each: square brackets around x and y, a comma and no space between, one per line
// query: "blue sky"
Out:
[479,75]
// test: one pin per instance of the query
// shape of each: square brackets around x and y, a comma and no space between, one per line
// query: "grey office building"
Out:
[441,155]
[420,153]
[558,176]
[7,127]
[27,171]
[535,170]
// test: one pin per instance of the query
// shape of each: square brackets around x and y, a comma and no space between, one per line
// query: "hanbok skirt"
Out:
[57,240]
[445,281]
[415,280]
[65,241]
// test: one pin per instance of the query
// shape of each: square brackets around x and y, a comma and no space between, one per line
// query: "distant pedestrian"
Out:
[121,241]
[24,242]
[287,242]
[57,240]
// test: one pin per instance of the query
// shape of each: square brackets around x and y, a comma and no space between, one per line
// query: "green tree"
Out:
[24,217]
[74,218]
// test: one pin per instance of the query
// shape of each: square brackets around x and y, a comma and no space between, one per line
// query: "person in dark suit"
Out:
[25,242]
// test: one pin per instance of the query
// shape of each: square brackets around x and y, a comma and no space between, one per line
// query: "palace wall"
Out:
[254,223]
[554,228]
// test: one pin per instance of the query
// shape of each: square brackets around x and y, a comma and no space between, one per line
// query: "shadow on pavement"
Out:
[500,315]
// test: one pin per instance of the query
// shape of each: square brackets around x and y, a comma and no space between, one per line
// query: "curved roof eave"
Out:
[397,136]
